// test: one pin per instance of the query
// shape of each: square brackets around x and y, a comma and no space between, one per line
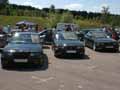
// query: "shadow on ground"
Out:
[74,57]
[46,47]
[108,51]
[29,67]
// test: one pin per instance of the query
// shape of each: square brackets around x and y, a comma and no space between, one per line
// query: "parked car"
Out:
[81,34]
[3,39]
[98,40]
[24,47]
[67,43]
[67,27]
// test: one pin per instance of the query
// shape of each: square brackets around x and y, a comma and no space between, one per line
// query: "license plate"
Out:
[109,46]
[20,60]
[71,51]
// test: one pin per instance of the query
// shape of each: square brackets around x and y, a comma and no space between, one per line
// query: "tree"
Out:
[3,4]
[52,9]
[67,18]
[105,10]
[105,14]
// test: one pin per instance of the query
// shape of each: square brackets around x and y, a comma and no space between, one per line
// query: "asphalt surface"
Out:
[97,71]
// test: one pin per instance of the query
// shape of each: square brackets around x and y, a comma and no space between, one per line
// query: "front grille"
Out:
[71,47]
[108,44]
[21,55]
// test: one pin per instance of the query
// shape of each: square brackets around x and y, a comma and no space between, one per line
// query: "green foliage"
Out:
[67,18]
[49,17]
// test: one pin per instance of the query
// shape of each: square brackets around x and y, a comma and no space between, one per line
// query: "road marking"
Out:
[40,80]
[62,86]
[92,67]
[80,87]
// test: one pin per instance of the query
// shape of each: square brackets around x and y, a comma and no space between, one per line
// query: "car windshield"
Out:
[69,36]
[64,26]
[25,38]
[100,35]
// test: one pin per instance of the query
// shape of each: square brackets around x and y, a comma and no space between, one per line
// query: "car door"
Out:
[88,39]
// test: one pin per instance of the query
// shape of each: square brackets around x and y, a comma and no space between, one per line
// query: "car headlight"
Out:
[12,51]
[64,45]
[1,35]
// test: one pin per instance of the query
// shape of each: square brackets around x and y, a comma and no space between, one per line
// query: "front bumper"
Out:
[107,47]
[70,50]
[21,58]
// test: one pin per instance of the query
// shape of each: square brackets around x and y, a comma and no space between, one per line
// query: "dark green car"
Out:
[67,43]
[98,40]
[24,47]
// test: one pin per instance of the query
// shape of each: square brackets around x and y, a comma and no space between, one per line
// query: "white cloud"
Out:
[74,6]
[31,3]
[97,8]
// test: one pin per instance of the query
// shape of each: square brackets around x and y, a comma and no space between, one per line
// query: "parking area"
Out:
[97,71]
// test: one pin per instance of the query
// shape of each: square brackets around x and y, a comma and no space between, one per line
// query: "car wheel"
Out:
[3,64]
[94,47]
[82,56]
[116,50]
[56,54]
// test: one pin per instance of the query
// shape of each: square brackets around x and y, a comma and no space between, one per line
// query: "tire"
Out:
[56,54]
[41,63]
[82,56]
[116,50]
[3,64]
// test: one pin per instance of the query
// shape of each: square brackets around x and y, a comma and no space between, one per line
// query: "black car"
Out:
[82,32]
[98,40]
[24,47]
[67,43]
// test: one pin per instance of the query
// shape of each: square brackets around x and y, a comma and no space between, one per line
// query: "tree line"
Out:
[20,10]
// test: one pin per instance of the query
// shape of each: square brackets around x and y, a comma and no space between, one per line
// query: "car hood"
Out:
[70,43]
[105,40]
[24,47]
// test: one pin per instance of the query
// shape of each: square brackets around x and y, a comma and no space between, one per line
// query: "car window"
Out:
[59,37]
[25,38]
[70,36]
[100,35]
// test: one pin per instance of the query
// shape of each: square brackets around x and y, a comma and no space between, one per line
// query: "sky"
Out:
[78,5]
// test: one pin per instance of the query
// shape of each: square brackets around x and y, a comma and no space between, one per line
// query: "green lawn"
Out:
[44,22]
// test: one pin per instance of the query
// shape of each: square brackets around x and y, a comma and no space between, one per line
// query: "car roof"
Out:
[64,32]
[96,31]
[26,32]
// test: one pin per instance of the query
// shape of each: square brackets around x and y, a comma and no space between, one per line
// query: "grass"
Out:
[12,20]
[44,22]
